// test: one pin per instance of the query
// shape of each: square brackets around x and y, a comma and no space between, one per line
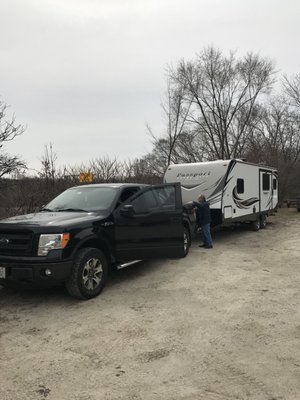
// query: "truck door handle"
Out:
[175,220]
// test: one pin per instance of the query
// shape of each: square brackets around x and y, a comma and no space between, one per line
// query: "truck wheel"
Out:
[256,224]
[89,273]
[186,241]
[263,221]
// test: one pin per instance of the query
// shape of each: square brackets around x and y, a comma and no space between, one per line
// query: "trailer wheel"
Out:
[89,273]
[263,221]
[256,224]
[186,241]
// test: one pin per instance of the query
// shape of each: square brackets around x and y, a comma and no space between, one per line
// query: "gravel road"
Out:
[219,324]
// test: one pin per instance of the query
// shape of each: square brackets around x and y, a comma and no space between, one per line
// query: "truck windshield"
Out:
[83,199]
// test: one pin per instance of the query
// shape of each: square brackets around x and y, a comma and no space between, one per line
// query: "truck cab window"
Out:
[126,194]
[155,199]
[145,202]
[167,197]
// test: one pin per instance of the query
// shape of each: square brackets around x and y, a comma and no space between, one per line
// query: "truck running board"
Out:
[127,264]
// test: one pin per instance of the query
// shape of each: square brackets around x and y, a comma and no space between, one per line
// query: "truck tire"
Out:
[89,274]
[263,221]
[186,241]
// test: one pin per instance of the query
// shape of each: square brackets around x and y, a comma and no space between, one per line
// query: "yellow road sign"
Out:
[86,177]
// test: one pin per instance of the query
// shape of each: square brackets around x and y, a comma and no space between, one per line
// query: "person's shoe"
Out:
[208,247]
[202,245]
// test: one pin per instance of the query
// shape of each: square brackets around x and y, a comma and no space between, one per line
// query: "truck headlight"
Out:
[52,241]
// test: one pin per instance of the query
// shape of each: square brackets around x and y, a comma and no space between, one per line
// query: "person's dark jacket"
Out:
[202,213]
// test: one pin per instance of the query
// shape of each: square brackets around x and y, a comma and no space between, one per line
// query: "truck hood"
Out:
[45,218]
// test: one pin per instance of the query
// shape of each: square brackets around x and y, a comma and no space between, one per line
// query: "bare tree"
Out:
[8,131]
[52,179]
[224,93]
[105,169]
[292,89]
[176,108]
[147,169]
[276,141]
[188,149]
[71,173]
[48,162]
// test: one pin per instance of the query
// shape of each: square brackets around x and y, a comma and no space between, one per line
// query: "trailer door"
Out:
[266,190]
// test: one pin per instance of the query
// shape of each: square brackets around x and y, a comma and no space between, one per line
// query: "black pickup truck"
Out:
[90,229]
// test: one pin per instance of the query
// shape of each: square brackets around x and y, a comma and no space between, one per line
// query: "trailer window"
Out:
[240,185]
[274,184]
[266,182]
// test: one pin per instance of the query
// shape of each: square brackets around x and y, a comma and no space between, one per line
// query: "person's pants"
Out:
[207,240]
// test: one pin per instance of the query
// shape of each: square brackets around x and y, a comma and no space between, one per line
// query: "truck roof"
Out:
[112,185]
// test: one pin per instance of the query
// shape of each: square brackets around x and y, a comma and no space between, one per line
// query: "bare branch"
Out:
[9,131]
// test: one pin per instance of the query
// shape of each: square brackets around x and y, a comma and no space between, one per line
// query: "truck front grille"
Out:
[15,243]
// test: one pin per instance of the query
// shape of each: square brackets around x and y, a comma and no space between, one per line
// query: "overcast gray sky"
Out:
[86,75]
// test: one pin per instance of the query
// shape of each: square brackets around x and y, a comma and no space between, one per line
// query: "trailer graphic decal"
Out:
[269,204]
[216,195]
[240,203]
[191,187]
[216,189]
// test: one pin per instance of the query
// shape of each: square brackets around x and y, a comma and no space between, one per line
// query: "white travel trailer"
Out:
[237,191]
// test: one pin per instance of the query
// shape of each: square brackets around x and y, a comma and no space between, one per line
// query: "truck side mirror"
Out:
[127,210]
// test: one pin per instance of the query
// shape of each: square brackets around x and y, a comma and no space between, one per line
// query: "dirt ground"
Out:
[220,324]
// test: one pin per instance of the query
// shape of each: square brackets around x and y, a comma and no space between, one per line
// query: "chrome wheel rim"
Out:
[92,273]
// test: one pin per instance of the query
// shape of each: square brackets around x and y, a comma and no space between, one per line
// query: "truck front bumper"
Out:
[36,274]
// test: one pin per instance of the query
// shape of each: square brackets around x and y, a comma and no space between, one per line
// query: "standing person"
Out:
[203,219]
